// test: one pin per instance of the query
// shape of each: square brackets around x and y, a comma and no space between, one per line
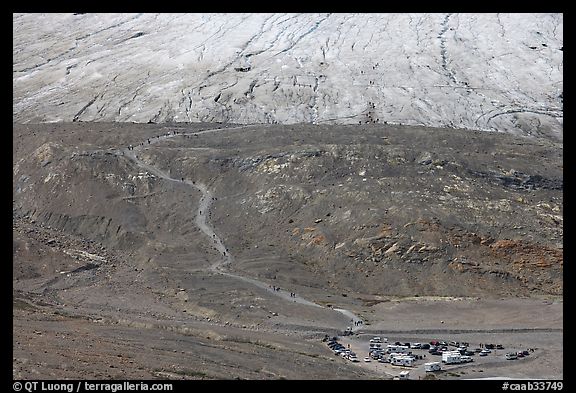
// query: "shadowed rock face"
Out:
[476,71]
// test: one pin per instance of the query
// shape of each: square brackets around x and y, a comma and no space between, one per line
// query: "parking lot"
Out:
[478,361]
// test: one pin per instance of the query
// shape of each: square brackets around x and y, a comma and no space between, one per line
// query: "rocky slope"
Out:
[378,210]
[477,71]
[419,232]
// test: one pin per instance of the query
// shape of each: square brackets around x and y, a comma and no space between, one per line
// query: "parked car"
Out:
[520,354]
[425,346]
[499,346]
[367,359]
[485,350]
[489,346]
[416,345]
[477,350]
[511,356]
[483,353]
[526,353]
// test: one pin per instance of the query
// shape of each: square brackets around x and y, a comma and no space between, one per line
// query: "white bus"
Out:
[432,366]
[396,348]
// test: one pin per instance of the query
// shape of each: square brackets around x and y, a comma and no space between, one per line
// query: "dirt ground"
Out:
[517,324]
[50,344]
[114,278]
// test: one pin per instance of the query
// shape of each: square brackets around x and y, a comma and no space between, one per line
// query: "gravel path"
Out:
[204,205]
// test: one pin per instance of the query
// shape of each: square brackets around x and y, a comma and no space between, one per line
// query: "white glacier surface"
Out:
[498,72]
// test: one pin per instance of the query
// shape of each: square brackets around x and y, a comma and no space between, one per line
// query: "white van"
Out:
[451,357]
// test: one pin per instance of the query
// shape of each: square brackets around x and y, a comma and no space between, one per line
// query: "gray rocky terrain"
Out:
[188,230]
[207,196]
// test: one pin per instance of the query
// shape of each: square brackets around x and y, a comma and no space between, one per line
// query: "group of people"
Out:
[157,136]
[276,289]
[358,323]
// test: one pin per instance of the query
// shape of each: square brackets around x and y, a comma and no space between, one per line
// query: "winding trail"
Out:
[200,220]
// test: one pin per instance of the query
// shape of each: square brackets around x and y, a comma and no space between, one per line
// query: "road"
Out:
[203,212]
